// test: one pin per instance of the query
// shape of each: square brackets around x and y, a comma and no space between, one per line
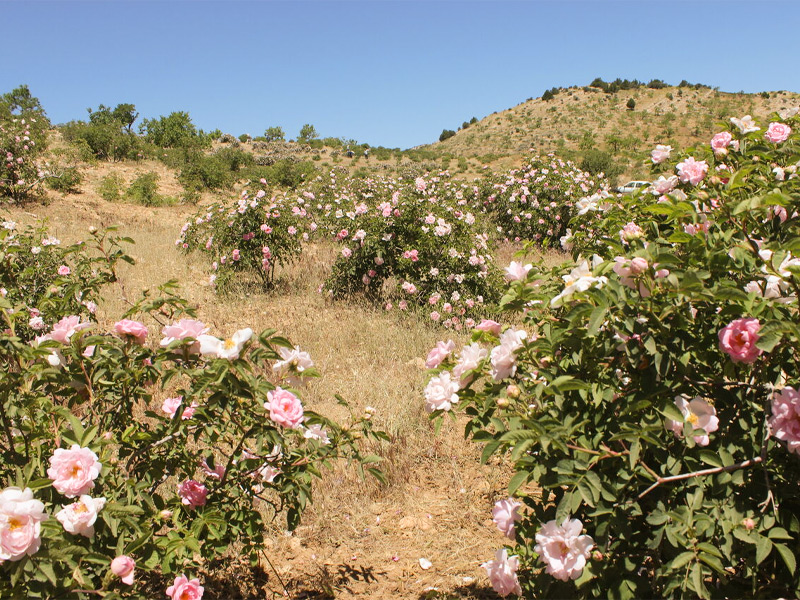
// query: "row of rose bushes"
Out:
[648,403]
[122,456]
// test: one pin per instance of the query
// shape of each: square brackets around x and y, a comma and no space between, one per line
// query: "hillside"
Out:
[579,119]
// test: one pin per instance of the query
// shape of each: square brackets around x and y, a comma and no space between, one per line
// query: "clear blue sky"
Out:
[383,72]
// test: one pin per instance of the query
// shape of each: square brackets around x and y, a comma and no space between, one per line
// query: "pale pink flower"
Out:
[229,348]
[80,516]
[489,326]
[73,471]
[502,572]
[504,514]
[660,154]
[692,171]
[516,271]
[470,359]
[36,323]
[697,412]
[171,405]
[785,419]
[778,132]
[134,329]
[317,432]
[439,353]
[123,567]
[284,408]
[185,589]
[218,472]
[64,270]
[441,392]
[562,549]
[185,328]
[738,340]
[294,363]
[20,524]
[192,493]
[720,142]
[631,231]
[435,316]
[664,185]
[67,327]
[746,124]
[503,357]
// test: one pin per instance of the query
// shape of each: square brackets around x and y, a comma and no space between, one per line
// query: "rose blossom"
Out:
[441,393]
[504,514]
[721,141]
[660,154]
[63,270]
[171,406]
[700,414]
[131,328]
[294,363]
[746,124]
[516,271]
[284,408]
[439,353]
[192,493]
[123,566]
[785,419]
[489,326]
[777,132]
[502,572]
[80,516]
[185,328]
[20,523]
[229,348]
[691,170]
[631,231]
[562,549]
[185,589]
[738,340]
[664,185]
[469,360]
[67,327]
[502,356]
[73,471]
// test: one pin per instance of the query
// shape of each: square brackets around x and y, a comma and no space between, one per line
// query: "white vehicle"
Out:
[632,186]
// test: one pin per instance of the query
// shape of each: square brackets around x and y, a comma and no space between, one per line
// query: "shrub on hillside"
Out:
[650,392]
[21,171]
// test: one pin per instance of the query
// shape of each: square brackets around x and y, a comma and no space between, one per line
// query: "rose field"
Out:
[228,379]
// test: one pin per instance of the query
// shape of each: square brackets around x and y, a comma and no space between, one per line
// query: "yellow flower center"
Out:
[692,418]
[15,523]
[81,507]
[228,344]
[76,470]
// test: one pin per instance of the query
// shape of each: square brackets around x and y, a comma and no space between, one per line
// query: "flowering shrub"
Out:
[20,173]
[416,244]
[123,455]
[647,402]
[537,201]
[251,237]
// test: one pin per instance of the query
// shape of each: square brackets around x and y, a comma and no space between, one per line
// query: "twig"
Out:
[274,570]
[659,480]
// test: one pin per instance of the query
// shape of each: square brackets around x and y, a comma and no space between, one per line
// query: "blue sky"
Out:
[392,73]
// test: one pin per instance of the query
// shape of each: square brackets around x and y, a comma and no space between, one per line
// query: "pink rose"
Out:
[20,524]
[504,514]
[192,493]
[67,327]
[516,271]
[738,340]
[131,328]
[171,406]
[439,353]
[503,357]
[721,141]
[284,408]
[185,328]
[562,549]
[441,393]
[785,419]
[699,414]
[73,471]
[80,516]
[502,572]
[692,171]
[63,270]
[123,566]
[660,154]
[489,326]
[185,589]
[777,132]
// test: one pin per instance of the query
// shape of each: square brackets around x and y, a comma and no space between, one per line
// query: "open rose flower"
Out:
[284,408]
[21,519]
[123,567]
[229,348]
[502,572]
[171,406]
[441,393]
[293,364]
[192,493]
[778,133]
[746,124]
[80,516]
[183,329]
[73,471]
[692,171]
[504,514]
[470,359]
[503,357]
[785,419]
[185,589]
[562,549]
[699,414]
[134,329]
[516,271]
[660,154]
[738,340]
[67,327]
[439,353]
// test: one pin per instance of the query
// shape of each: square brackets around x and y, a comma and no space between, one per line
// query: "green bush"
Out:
[274,134]
[144,190]
[446,133]
[111,187]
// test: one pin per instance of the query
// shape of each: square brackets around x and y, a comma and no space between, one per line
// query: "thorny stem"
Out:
[659,480]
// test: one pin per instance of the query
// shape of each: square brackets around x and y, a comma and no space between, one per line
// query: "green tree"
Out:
[307,133]
[173,131]
[274,134]
[446,133]
[631,104]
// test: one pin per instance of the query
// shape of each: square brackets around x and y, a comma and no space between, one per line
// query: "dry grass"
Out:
[359,539]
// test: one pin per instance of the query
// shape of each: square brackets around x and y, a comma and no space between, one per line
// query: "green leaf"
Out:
[596,320]
[681,560]
[763,548]
[787,556]
[519,478]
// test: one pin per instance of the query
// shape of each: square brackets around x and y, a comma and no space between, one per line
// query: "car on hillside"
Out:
[632,186]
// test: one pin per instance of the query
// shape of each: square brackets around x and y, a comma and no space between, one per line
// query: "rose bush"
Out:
[648,403]
[120,451]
